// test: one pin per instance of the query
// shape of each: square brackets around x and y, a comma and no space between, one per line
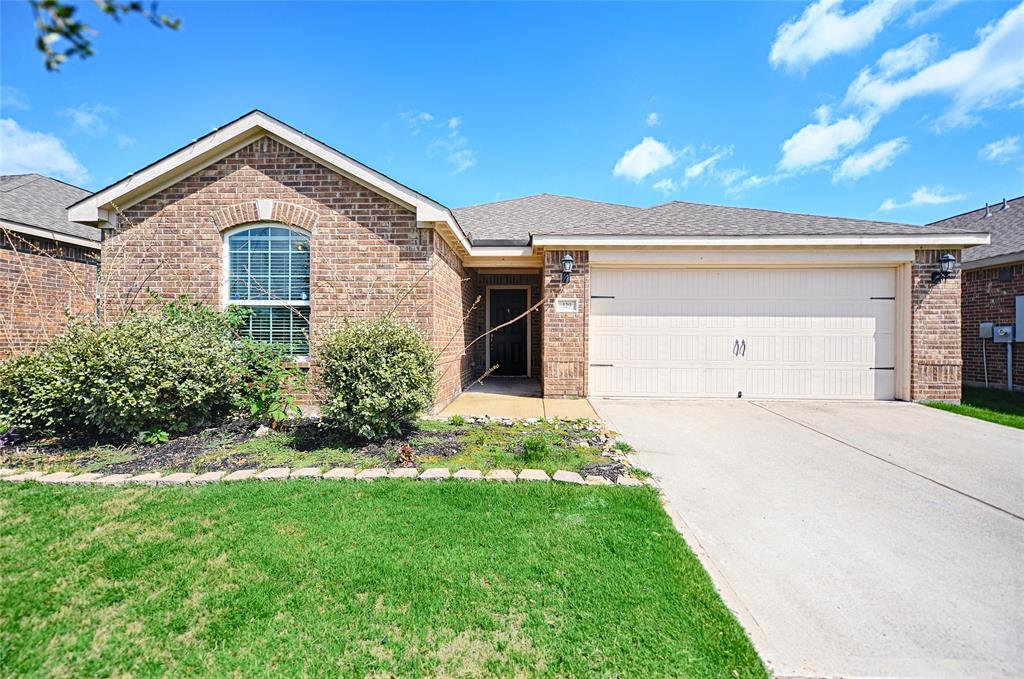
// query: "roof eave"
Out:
[917,240]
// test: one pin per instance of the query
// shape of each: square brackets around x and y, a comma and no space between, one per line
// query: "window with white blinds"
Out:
[268,272]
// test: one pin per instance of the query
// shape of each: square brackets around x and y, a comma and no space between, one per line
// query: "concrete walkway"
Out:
[851,539]
[516,398]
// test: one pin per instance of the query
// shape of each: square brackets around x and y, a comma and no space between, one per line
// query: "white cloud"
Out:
[926,195]
[913,55]
[89,119]
[13,98]
[23,151]
[930,12]
[874,159]
[824,29]
[666,185]
[124,140]
[454,146]
[454,122]
[1001,150]
[824,140]
[647,157]
[990,73]
[653,118]
[417,119]
[708,164]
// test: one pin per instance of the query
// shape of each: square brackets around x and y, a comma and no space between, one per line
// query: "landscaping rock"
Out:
[56,477]
[341,473]
[261,431]
[403,473]
[534,475]
[371,474]
[83,478]
[7,471]
[149,479]
[176,479]
[435,474]
[240,475]
[208,477]
[273,474]
[307,473]
[113,480]
[26,476]
[569,477]
[629,481]
[469,474]
[501,475]
[594,480]
[609,470]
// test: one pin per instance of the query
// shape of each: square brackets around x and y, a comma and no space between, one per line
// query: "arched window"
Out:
[268,272]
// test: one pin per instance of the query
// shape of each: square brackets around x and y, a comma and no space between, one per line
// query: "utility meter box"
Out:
[985,330]
[1002,334]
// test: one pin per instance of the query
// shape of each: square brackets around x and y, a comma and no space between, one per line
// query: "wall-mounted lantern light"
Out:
[567,262]
[947,265]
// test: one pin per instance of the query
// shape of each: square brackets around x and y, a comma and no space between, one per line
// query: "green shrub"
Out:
[536,448]
[377,375]
[170,371]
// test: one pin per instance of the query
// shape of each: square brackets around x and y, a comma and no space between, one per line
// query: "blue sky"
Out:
[885,110]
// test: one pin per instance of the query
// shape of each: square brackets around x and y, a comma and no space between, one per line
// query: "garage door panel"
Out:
[805,333]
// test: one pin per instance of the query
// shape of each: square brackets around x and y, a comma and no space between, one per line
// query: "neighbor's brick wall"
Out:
[454,293]
[41,282]
[479,320]
[935,331]
[368,255]
[565,356]
[988,297]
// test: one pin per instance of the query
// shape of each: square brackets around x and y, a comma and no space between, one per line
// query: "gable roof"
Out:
[35,204]
[511,222]
[546,218]
[235,135]
[1006,224]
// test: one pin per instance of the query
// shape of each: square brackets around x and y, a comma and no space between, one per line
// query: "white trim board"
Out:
[487,325]
[917,240]
[49,235]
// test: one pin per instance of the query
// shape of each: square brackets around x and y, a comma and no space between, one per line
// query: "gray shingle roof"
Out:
[512,221]
[1006,227]
[35,200]
[546,215]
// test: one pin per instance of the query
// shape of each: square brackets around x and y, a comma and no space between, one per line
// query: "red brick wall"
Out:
[41,282]
[564,359]
[935,331]
[988,297]
[454,296]
[368,255]
[479,320]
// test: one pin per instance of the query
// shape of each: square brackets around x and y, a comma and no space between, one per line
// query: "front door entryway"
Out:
[508,346]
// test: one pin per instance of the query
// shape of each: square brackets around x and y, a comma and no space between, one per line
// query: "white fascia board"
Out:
[502,251]
[243,131]
[50,235]
[995,260]
[916,240]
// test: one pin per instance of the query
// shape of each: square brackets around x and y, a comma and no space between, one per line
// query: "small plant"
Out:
[536,448]
[406,456]
[155,436]
[457,420]
[622,446]
[377,375]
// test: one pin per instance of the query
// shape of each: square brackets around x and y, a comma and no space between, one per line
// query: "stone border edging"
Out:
[283,473]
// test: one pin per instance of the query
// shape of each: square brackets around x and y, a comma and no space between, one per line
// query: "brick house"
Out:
[677,300]
[993,282]
[47,263]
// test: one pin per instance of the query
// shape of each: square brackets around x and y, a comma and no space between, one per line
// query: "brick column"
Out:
[565,334]
[934,331]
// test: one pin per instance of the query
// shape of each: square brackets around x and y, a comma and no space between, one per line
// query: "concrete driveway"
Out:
[851,539]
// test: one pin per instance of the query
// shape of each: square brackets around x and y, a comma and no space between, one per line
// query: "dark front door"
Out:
[508,344]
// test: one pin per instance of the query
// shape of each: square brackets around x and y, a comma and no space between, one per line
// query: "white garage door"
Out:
[768,333]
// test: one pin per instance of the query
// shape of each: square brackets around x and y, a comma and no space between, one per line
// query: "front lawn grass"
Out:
[393,578]
[994,405]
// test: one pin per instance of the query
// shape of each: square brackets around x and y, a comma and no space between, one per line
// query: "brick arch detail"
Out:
[265,211]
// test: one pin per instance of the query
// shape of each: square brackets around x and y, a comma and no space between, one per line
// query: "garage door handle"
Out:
[736,348]
[743,348]
[602,365]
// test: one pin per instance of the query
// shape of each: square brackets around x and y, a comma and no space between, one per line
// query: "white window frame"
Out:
[225,284]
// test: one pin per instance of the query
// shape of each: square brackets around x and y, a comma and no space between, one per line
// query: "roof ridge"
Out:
[552,195]
[783,212]
[977,209]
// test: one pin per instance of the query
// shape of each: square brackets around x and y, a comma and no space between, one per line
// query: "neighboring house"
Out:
[47,263]
[993,281]
[677,300]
